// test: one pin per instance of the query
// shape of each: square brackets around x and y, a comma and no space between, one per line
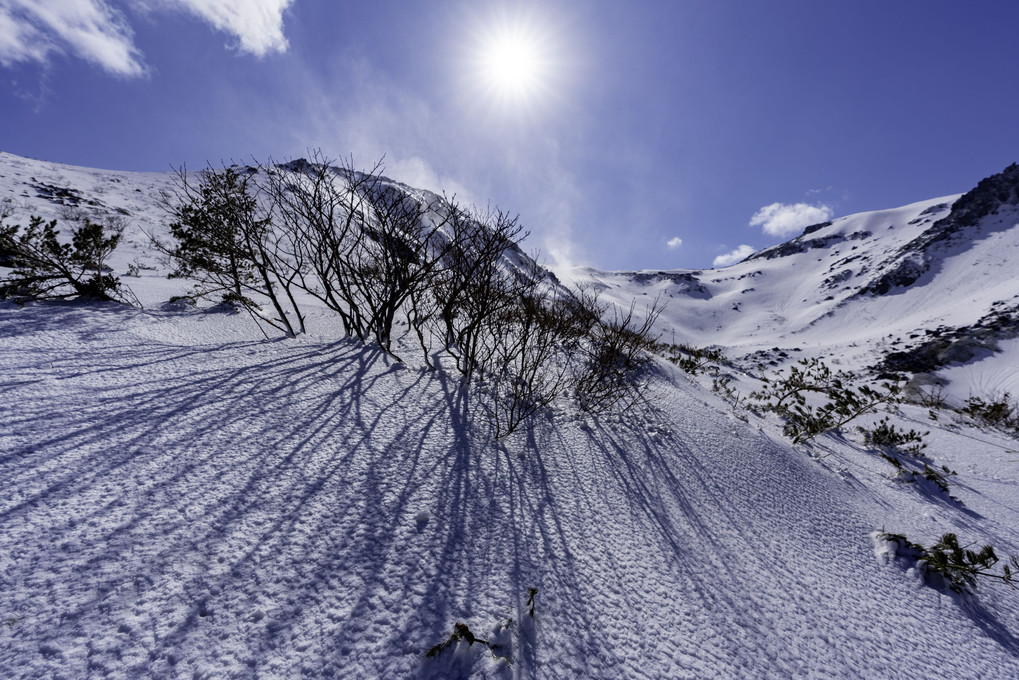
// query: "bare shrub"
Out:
[475,285]
[934,399]
[319,210]
[363,246]
[525,354]
[617,351]
[404,250]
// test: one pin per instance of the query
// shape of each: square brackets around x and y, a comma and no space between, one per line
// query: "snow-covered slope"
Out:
[180,497]
[859,288]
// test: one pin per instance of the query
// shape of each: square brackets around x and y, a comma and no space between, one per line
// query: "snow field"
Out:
[240,508]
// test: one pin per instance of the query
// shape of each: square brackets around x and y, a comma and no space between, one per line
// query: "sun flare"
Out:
[514,63]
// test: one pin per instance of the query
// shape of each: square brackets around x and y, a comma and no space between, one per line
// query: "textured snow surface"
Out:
[180,497]
[192,506]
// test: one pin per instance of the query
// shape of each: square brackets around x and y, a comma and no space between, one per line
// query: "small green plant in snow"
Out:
[886,435]
[786,395]
[957,565]
[45,267]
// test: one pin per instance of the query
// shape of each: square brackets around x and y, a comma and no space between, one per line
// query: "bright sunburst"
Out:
[514,62]
[511,65]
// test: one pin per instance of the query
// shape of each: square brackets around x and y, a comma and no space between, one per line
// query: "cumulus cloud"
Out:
[674,243]
[32,30]
[89,29]
[785,219]
[741,253]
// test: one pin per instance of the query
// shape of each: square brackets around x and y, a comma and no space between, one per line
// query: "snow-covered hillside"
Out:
[181,497]
[859,288]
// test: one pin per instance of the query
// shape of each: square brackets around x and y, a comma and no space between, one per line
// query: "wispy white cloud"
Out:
[30,30]
[20,40]
[674,243]
[257,24]
[556,213]
[785,219]
[94,30]
[737,255]
[372,120]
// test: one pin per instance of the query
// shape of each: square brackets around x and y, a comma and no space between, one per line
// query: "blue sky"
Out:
[644,134]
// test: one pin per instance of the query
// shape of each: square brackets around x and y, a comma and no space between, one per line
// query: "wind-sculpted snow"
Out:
[177,505]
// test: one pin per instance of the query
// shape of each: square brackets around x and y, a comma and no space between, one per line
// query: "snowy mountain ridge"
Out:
[181,496]
[858,288]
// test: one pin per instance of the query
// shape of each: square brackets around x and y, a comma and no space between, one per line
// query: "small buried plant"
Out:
[531,594]
[938,477]
[723,387]
[885,435]
[692,359]
[462,633]
[957,566]
[999,410]
[898,444]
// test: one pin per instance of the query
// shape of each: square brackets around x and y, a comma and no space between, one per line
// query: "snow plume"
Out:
[785,219]
[674,243]
[418,173]
[733,257]
[30,30]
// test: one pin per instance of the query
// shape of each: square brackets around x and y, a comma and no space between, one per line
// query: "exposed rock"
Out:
[802,245]
[915,258]
[686,281]
[956,345]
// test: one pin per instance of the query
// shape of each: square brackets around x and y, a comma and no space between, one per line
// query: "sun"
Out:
[512,65]
[514,62]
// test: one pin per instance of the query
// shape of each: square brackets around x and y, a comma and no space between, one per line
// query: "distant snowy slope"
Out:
[856,289]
